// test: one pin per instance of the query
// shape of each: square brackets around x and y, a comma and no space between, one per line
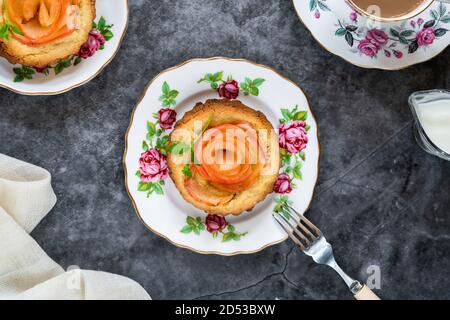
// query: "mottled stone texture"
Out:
[380,199]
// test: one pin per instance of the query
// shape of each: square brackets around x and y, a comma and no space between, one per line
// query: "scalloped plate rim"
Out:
[126,155]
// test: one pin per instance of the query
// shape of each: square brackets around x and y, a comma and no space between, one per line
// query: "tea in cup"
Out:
[390,10]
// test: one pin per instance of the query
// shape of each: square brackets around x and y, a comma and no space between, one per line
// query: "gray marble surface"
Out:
[380,199]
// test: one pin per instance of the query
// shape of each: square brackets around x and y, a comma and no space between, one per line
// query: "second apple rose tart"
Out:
[50,35]
[38,33]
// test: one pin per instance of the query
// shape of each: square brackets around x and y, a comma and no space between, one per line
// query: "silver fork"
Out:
[312,242]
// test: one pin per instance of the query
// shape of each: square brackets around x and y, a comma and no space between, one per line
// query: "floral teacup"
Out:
[394,40]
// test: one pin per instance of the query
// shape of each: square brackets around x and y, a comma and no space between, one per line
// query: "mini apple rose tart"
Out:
[224,157]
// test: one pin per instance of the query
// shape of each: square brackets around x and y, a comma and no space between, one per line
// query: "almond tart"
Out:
[44,32]
[224,157]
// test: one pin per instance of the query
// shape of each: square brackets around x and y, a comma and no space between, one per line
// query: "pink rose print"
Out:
[412,23]
[420,21]
[425,36]
[167,118]
[92,45]
[293,136]
[317,14]
[97,36]
[368,48]
[153,166]
[229,90]
[41,69]
[377,37]
[354,16]
[283,184]
[398,54]
[215,223]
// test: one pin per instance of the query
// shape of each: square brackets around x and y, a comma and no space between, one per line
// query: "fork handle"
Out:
[366,294]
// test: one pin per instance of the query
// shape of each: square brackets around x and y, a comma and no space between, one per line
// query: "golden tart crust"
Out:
[223,112]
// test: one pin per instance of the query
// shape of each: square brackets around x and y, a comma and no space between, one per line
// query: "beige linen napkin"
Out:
[26,272]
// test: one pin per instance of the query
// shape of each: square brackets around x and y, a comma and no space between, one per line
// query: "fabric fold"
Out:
[25,192]
[26,271]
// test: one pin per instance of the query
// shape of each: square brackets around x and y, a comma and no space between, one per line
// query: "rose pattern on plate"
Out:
[153,169]
[230,88]
[153,166]
[95,41]
[100,34]
[167,118]
[293,139]
[401,39]
[293,136]
[318,6]
[283,185]
[214,224]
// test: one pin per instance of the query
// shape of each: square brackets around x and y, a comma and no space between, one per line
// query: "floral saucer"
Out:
[175,91]
[104,42]
[371,44]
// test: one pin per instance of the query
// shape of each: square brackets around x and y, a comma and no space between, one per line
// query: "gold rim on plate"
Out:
[126,151]
[84,81]
[297,10]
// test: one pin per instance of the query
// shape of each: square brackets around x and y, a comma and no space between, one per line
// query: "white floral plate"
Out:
[370,44]
[159,204]
[115,13]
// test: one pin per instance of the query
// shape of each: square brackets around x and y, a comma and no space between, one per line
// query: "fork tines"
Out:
[299,229]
